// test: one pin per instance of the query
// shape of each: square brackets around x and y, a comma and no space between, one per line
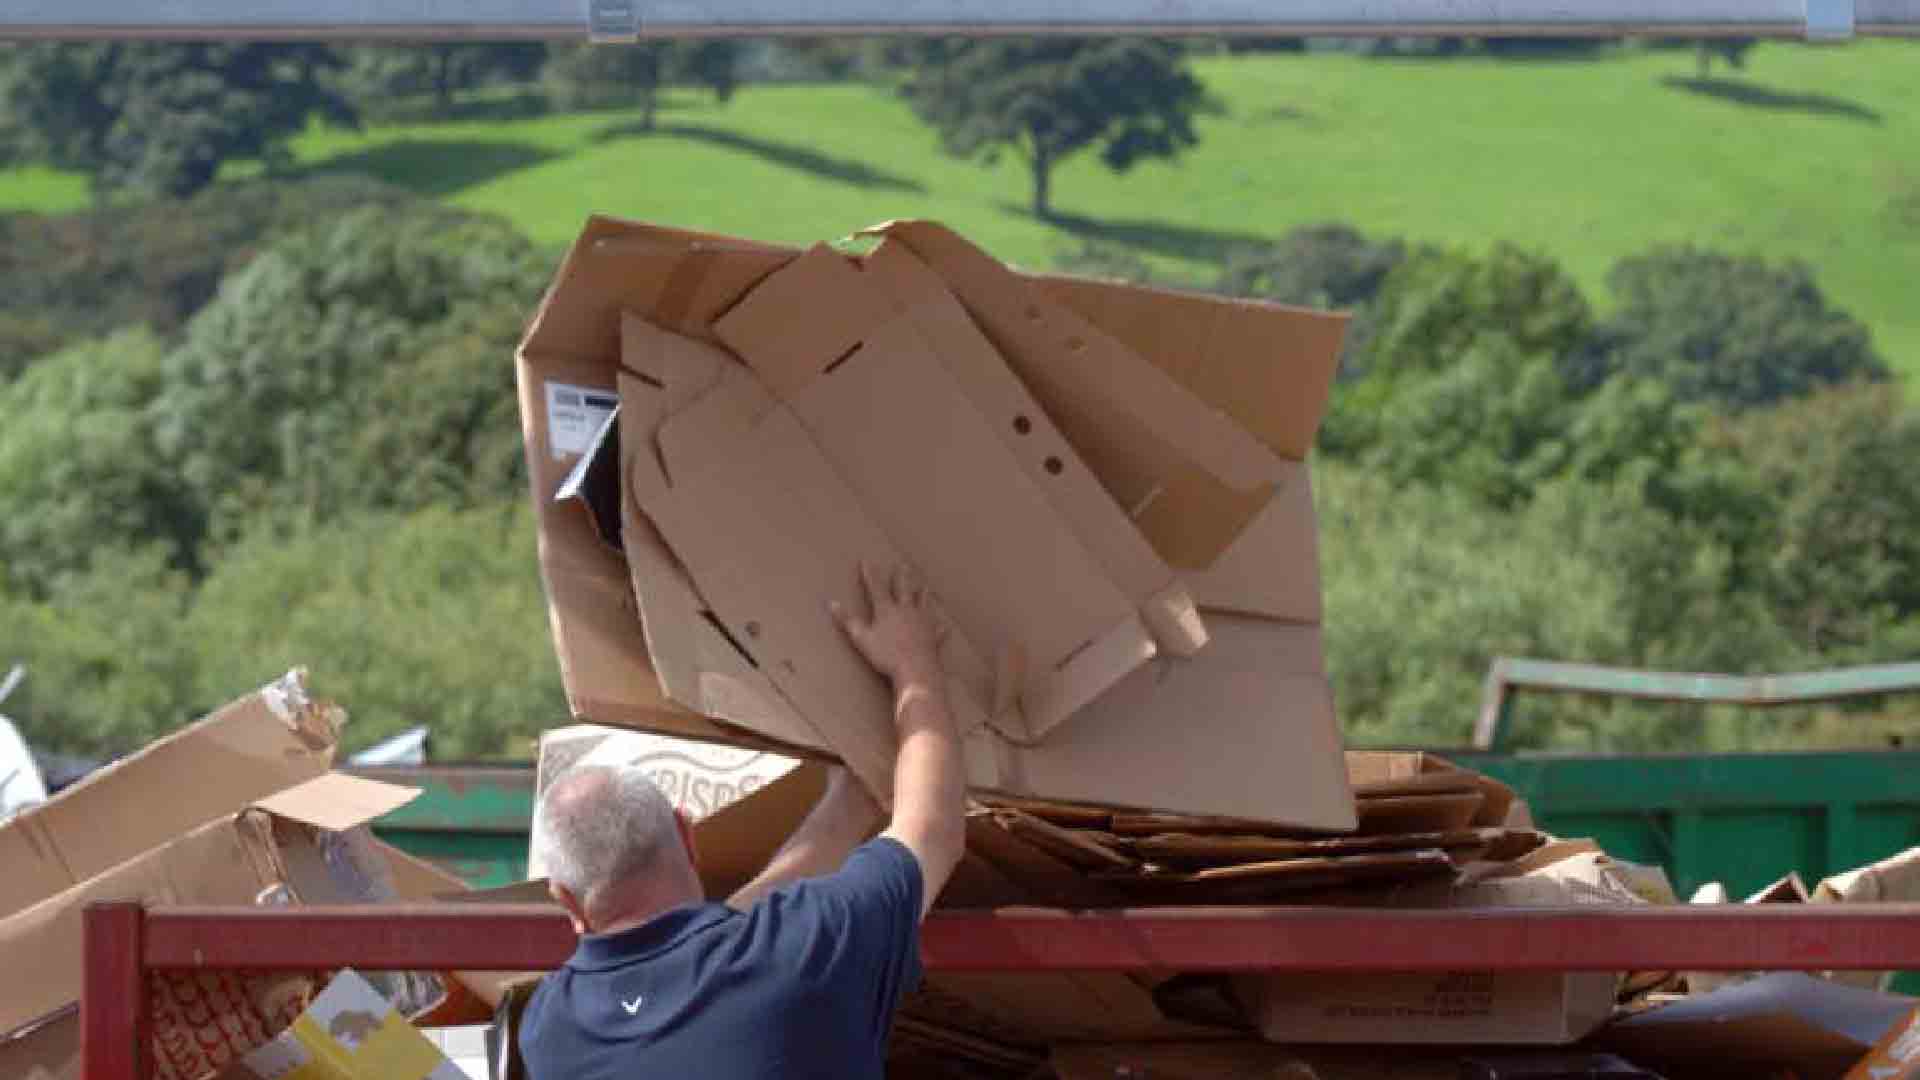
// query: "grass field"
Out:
[1812,153]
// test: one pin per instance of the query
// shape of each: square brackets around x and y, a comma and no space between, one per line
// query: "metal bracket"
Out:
[1829,20]
[617,22]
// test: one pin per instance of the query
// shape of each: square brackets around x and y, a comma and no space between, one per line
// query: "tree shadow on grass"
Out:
[1156,237]
[437,168]
[1760,97]
[787,155]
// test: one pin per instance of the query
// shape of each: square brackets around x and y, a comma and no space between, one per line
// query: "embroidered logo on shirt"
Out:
[632,1007]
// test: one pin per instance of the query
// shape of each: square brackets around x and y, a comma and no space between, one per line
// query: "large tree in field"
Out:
[442,69]
[161,118]
[1049,98]
[598,75]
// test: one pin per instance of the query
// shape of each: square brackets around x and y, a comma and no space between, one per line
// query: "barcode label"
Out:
[574,414]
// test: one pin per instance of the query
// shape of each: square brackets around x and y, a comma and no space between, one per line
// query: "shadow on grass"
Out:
[1743,93]
[437,168]
[1155,237]
[787,155]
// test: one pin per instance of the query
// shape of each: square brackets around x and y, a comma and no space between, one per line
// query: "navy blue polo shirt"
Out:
[802,984]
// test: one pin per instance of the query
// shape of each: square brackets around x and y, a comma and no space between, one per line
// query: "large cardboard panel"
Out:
[944,481]
[269,740]
[1273,568]
[1050,461]
[227,861]
[1191,478]
[697,664]
[1256,692]
[683,281]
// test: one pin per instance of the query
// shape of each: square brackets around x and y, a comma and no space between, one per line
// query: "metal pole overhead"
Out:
[628,19]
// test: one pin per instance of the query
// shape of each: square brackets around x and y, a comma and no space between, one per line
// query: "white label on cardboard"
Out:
[698,778]
[574,416]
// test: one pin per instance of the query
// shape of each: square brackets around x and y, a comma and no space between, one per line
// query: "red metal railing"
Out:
[124,941]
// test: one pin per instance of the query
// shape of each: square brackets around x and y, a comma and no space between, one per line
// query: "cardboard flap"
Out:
[676,278]
[337,801]
[271,739]
[1789,1019]
[1188,475]
[803,319]
[1269,366]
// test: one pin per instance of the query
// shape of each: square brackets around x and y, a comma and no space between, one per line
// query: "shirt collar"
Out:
[656,935]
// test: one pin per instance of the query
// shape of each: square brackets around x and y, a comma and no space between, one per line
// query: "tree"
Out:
[588,76]
[1449,327]
[1833,545]
[67,278]
[1325,266]
[1048,98]
[442,69]
[358,363]
[1431,585]
[1730,331]
[79,465]
[161,118]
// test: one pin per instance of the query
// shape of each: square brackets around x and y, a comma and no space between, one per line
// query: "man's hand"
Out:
[902,641]
[902,637]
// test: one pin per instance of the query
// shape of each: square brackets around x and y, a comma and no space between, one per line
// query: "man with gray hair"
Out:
[798,974]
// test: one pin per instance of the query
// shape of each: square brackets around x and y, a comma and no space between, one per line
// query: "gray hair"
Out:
[603,824]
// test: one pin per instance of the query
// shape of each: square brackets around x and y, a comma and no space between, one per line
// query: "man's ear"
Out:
[576,910]
[685,824]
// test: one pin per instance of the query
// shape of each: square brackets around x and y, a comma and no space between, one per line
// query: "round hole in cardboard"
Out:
[1056,466]
[1022,425]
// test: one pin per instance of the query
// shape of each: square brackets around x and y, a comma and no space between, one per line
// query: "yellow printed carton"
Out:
[349,1032]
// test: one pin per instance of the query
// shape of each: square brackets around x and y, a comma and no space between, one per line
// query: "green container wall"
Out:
[1744,820]
[472,821]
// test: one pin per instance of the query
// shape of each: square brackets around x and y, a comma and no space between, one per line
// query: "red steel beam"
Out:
[1724,938]
[113,1007]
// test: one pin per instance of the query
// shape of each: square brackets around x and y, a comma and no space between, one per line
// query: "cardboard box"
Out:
[277,843]
[1211,437]
[1526,1008]
[263,743]
[698,778]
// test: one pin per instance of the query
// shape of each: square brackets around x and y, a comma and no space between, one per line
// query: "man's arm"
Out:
[843,818]
[902,641]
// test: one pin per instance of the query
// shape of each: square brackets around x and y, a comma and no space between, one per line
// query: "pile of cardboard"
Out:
[1103,486]
[240,808]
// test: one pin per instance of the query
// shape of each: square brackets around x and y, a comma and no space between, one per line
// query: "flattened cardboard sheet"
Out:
[945,482]
[1216,850]
[1189,478]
